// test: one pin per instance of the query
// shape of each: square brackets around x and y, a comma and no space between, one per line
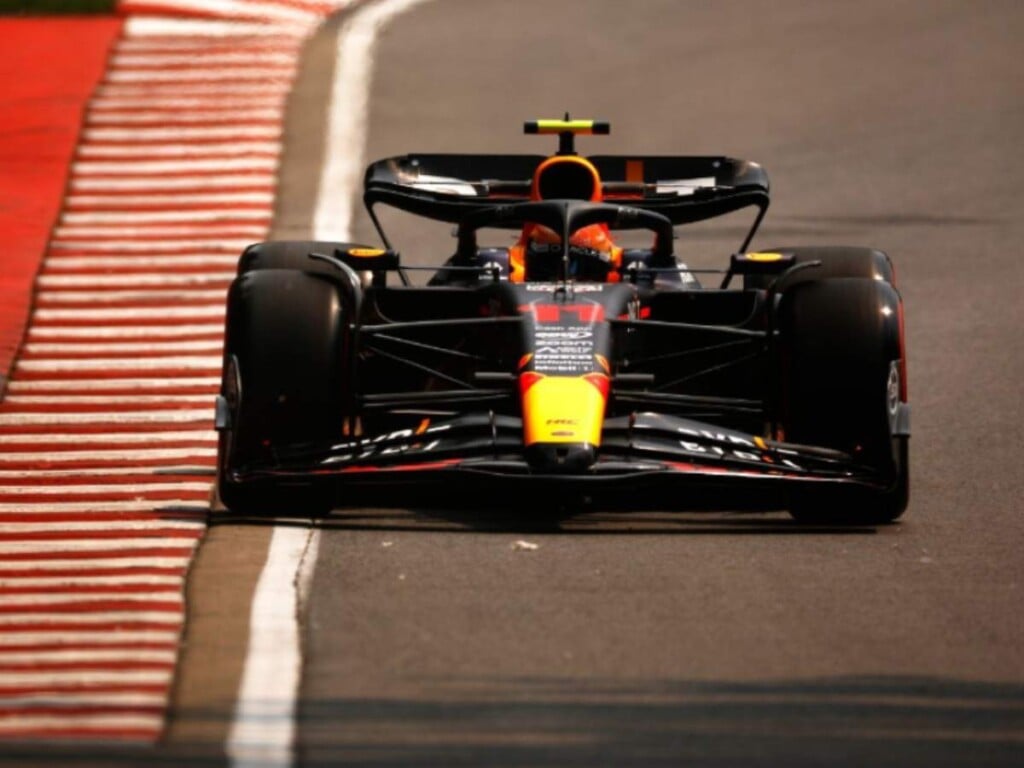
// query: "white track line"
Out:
[263,729]
[263,725]
[342,172]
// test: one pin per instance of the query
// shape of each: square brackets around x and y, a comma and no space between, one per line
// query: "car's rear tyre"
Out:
[285,377]
[842,386]
[836,261]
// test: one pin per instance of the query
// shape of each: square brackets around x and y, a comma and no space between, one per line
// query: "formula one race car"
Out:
[563,368]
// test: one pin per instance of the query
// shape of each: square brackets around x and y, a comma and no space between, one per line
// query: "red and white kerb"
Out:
[107,445]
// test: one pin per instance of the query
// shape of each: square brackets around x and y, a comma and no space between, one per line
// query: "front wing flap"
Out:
[641,451]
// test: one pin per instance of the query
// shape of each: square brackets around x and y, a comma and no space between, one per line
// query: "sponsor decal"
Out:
[443,185]
[565,336]
[562,313]
[384,445]
[726,445]
[684,187]
[553,287]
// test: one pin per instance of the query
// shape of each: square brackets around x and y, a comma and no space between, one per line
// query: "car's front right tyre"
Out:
[284,382]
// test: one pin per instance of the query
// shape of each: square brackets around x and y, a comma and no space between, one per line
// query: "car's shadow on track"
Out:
[595,523]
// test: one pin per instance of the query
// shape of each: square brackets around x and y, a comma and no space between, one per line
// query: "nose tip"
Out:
[571,458]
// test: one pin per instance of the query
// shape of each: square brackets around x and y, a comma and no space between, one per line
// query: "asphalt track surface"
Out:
[705,639]
[718,639]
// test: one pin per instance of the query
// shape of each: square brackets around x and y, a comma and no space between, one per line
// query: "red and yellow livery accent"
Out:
[568,176]
[563,409]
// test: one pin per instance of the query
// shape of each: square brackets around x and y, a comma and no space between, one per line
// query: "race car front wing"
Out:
[645,460]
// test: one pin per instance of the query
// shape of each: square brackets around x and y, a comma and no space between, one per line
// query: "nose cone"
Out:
[561,458]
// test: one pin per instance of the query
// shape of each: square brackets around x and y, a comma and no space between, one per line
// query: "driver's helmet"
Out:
[592,253]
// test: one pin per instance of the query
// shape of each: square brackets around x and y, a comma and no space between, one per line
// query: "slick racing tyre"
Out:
[284,383]
[291,254]
[841,373]
[836,261]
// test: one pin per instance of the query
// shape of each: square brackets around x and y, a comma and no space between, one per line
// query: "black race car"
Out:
[563,368]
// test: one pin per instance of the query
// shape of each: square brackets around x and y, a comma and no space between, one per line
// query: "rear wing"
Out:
[448,187]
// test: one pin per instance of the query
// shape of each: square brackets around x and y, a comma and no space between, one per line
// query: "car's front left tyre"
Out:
[841,363]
